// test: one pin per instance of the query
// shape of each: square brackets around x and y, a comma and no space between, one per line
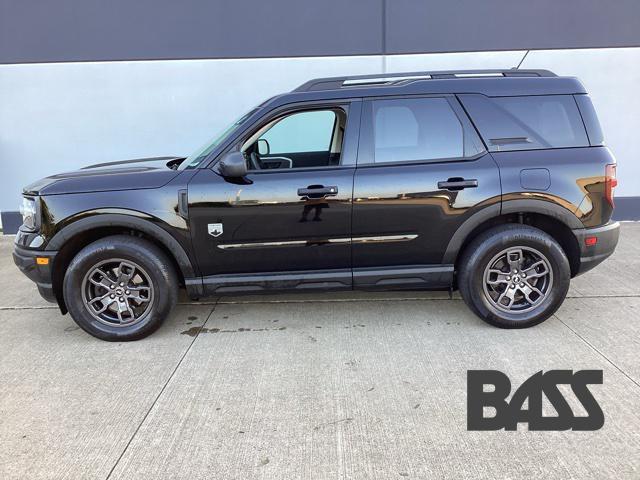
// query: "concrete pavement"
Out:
[350,385]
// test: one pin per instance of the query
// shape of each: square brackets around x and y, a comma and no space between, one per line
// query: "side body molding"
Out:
[128,221]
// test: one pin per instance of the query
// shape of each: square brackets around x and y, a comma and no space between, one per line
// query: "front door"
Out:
[422,171]
[287,224]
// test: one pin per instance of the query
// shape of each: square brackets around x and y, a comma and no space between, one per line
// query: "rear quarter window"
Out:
[527,122]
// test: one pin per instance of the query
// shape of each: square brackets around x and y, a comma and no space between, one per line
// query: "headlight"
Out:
[29,211]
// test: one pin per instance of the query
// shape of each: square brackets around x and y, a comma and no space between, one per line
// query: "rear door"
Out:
[422,171]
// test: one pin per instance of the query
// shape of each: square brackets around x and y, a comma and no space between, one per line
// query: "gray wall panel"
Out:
[415,26]
[85,30]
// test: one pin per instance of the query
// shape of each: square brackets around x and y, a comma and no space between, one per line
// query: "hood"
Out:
[121,175]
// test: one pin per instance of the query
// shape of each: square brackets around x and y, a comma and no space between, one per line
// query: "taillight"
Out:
[610,182]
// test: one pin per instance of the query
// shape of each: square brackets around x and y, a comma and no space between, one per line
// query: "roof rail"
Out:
[388,79]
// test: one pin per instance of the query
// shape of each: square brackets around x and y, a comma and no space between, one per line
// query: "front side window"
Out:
[303,139]
[419,129]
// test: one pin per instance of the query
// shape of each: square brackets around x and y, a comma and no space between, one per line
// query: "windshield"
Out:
[193,160]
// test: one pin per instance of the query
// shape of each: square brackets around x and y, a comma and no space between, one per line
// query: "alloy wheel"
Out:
[517,280]
[117,292]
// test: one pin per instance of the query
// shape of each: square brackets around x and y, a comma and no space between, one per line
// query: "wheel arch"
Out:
[76,235]
[553,219]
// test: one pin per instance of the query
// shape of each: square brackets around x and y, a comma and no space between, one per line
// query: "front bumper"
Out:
[592,255]
[25,260]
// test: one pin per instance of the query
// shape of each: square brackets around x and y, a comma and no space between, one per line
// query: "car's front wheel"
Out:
[514,276]
[120,288]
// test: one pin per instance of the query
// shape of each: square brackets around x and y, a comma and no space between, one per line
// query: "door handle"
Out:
[317,191]
[458,183]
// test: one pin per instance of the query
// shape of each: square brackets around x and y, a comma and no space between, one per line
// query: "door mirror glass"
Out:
[233,165]
[263,146]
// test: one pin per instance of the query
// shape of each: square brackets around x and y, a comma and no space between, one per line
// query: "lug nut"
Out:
[513,286]
[127,292]
[112,296]
[113,286]
[121,284]
[515,270]
[508,279]
[524,275]
[522,284]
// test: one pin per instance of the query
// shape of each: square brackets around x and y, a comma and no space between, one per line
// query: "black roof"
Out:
[493,83]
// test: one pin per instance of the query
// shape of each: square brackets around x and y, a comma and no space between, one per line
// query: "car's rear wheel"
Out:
[120,288]
[514,276]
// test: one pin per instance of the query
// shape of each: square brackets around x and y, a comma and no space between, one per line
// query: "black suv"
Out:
[494,182]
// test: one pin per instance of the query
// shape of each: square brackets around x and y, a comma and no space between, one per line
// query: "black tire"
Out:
[490,246]
[156,287]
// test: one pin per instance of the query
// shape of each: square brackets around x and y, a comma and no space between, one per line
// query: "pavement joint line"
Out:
[155,401]
[328,300]
[606,295]
[392,299]
[30,308]
[595,349]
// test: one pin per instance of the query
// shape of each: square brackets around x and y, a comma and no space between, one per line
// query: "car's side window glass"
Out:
[527,122]
[302,139]
[406,130]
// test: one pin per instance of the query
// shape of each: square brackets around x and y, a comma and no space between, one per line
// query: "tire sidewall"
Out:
[151,259]
[487,249]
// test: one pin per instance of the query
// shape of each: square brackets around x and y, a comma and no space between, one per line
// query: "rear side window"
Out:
[417,129]
[527,122]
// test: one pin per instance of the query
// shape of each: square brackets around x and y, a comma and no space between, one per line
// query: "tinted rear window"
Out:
[527,122]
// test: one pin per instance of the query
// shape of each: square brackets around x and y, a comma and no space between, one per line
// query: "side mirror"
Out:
[263,147]
[233,165]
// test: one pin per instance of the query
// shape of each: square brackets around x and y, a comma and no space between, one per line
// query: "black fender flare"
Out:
[542,207]
[141,224]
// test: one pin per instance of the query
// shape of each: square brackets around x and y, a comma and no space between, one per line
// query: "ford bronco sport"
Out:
[494,182]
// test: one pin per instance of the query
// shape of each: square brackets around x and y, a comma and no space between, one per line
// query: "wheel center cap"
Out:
[119,291]
[516,279]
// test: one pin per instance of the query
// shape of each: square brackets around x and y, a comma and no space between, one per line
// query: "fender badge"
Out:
[215,229]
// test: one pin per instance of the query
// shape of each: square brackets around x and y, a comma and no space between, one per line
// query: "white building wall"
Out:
[57,117]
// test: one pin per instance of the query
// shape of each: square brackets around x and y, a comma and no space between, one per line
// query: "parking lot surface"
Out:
[350,385]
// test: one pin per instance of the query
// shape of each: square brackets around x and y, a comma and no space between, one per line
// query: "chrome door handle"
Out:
[457,184]
[317,191]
